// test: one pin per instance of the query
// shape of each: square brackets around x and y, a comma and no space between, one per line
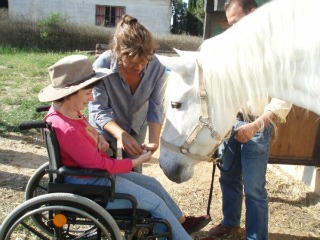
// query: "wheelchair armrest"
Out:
[87,172]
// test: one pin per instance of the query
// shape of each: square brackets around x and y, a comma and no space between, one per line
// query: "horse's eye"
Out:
[175,104]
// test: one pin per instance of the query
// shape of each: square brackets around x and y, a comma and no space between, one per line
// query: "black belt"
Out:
[246,117]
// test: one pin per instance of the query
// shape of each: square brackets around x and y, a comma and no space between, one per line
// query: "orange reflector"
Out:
[59,220]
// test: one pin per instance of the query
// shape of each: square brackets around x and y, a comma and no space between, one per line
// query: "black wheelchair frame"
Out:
[57,210]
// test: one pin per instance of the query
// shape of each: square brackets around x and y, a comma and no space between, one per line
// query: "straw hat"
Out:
[69,75]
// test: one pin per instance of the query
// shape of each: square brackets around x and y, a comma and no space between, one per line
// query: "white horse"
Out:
[272,52]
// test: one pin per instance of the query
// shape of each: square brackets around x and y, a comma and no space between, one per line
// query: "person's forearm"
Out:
[265,119]
[114,129]
[154,132]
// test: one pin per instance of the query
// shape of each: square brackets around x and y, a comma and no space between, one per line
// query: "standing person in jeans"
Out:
[248,165]
[131,98]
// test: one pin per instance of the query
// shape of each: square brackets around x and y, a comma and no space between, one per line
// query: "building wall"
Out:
[153,14]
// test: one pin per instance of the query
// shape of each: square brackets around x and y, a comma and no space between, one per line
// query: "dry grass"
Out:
[61,35]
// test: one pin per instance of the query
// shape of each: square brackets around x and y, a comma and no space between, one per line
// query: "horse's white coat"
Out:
[273,52]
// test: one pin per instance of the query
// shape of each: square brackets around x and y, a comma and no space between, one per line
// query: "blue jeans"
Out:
[248,172]
[150,194]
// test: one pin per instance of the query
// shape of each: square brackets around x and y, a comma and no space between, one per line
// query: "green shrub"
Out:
[48,25]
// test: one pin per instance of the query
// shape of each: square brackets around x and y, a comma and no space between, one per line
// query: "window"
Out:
[108,16]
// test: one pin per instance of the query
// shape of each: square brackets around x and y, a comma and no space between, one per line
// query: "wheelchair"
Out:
[57,210]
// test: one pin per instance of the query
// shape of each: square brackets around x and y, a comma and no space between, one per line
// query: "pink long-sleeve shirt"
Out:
[78,144]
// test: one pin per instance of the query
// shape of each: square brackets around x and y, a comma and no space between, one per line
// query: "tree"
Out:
[195,17]
[178,17]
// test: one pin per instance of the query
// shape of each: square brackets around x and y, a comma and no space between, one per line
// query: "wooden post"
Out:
[209,10]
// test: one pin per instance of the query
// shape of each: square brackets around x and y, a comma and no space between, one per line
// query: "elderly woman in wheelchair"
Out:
[80,147]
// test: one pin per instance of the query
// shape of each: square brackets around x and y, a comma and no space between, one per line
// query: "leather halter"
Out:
[204,121]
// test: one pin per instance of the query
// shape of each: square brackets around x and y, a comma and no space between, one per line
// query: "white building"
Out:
[153,14]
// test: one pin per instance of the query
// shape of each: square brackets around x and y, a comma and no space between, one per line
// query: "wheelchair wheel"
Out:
[63,216]
[38,183]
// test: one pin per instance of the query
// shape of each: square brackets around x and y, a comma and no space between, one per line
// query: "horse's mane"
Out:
[266,48]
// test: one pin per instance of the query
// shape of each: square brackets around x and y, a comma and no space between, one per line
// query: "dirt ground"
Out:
[294,210]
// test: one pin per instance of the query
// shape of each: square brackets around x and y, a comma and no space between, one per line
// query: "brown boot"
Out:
[194,224]
[219,230]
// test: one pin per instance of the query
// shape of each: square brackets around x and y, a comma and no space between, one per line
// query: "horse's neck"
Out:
[221,114]
[265,56]
[221,117]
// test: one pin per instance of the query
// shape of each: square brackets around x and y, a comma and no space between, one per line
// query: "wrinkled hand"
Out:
[130,145]
[102,144]
[150,147]
[246,132]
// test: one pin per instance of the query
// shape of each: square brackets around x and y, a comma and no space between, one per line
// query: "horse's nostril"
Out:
[179,170]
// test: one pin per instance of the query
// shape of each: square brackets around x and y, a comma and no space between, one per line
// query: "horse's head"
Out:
[187,136]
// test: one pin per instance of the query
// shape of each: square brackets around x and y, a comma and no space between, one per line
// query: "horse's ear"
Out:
[187,54]
[175,63]
[169,62]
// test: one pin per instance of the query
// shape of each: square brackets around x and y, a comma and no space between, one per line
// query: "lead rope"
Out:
[218,163]
[211,190]
[236,152]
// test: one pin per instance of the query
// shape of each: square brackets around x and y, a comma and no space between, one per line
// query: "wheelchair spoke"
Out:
[34,231]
